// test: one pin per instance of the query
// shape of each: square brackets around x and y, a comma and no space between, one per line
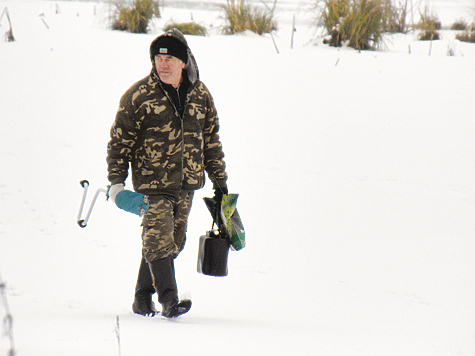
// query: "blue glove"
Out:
[132,202]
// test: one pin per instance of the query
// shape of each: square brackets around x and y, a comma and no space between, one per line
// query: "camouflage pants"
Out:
[164,225]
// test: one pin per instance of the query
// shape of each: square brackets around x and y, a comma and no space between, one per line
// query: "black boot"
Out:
[174,309]
[163,272]
[144,290]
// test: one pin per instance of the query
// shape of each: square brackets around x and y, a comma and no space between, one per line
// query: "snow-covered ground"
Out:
[356,174]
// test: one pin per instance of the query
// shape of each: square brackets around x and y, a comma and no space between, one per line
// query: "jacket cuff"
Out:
[117,181]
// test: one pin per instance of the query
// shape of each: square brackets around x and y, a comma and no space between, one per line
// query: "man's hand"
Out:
[132,202]
[114,190]
[127,200]
[218,194]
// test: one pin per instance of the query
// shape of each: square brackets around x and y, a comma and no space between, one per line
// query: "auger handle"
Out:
[85,184]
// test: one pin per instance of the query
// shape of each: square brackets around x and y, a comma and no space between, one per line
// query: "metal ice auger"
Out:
[85,185]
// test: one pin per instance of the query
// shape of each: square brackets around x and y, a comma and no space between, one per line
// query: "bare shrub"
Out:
[395,15]
[459,25]
[429,26]
[241,17]
[468,35]
[360,23]
[187,28]
[135,18]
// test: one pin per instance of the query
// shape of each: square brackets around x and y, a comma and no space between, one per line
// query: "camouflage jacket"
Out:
[167,152]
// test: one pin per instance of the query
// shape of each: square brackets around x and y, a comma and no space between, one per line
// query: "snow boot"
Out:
[175,308]
[144,290]
[163,272]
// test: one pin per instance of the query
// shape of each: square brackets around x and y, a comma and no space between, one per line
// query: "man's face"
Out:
[169,69]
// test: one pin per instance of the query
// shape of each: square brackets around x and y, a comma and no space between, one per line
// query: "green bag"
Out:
[228,220]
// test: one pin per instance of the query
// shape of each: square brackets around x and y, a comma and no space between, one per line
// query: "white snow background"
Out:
[355,173]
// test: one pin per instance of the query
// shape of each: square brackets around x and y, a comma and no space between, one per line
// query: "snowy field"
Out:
[355,173]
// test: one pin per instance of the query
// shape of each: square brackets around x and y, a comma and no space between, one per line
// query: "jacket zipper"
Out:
[182,126]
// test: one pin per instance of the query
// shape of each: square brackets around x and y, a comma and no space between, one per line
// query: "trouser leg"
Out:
[181,213]
[164,237]
[164,225]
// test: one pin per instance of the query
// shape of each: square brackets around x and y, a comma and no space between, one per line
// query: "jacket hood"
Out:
[191,68]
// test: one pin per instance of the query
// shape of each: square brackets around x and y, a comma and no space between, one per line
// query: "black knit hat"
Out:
[170,46]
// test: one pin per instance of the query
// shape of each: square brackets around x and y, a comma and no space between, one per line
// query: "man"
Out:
[166,128]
